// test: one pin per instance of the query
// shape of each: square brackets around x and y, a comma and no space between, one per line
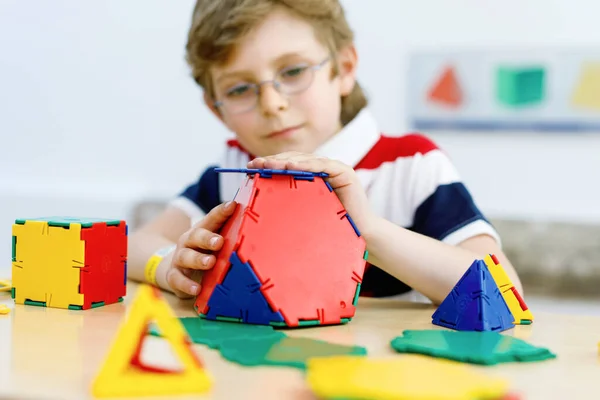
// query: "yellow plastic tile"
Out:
[508,292]
[5,285]
[48,263]
[121,375]
[411,377]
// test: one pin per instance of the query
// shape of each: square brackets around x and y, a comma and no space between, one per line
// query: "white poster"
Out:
[526,90]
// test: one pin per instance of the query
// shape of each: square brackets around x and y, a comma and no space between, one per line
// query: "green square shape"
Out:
[67,221]
[520,86]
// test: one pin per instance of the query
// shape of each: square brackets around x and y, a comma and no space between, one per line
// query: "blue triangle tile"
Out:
[475,303]
[239,296]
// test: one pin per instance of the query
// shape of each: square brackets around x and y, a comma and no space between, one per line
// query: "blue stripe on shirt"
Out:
[446,210]
[205,193]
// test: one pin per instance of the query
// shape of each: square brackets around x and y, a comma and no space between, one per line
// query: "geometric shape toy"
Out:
[124,374]
[411,377]
[66,262]
[474,304]
[446,89]
[215,333]
[520,86]
[239,295]
[521,314]
[484,348]
[283,351]
[291,240]
[587,91]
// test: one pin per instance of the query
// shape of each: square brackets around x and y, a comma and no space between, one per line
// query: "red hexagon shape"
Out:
[301,244]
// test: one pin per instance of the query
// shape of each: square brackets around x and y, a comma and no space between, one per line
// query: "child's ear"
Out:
[347,65]
[210,103]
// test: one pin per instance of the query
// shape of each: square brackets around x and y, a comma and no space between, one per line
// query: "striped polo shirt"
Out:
[408,179]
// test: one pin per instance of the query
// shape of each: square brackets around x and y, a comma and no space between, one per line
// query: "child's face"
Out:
[285,48]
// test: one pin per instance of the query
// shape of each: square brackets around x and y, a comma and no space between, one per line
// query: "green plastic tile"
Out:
[74,307]
[345,320]
[526,322]
[13,292]
[97,304]
[309,322]
[14,248]
[283,351]
[67,221]
[486,348]
[228,319]
[520,86]
[251,345]
[366,255]
[35,303]
[277,324]
[356,295]
[214,333]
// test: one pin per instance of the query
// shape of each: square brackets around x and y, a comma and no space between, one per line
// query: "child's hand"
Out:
[193,254]
[342,179]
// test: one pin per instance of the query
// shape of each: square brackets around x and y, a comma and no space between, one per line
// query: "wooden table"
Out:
[54,354]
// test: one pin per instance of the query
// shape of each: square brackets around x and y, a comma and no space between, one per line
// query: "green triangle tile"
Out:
[486,348]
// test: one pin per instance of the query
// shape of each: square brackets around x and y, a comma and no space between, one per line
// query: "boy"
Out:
[281,74]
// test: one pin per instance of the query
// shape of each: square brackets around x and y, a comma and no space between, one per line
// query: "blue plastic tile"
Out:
[267,173]
[475,303]
[353,224]
[239,296]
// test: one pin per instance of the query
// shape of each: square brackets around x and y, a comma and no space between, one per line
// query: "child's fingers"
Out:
[192,259]
[202,239]
[216,217]
[182,285]
[285,161]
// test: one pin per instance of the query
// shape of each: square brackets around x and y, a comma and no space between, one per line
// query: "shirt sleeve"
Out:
[199,198]
[444,208]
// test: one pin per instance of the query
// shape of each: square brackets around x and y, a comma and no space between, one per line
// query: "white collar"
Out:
[354,141]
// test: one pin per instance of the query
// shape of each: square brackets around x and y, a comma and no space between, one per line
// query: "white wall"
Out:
[106,82]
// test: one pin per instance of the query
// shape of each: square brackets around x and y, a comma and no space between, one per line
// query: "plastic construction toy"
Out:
[69,262]
[410,377]
[521,313]
[475,303]
[483,348]
[292,255]
[123,374]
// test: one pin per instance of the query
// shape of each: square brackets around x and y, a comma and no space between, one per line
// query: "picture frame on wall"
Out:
[542,90]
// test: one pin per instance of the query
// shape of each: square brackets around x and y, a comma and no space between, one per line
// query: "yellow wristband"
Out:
[152,264]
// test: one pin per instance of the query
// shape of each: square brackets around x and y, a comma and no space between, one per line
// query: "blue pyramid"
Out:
[239,296]
[475,303]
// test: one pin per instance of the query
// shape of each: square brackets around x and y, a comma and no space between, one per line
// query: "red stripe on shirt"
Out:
[233,143]
[388,149]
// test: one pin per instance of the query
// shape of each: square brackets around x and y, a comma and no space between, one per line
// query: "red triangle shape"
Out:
[446,89]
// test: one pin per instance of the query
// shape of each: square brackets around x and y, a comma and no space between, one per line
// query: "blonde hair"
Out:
[217,25]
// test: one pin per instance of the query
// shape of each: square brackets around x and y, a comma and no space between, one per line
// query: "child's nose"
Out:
[271,100]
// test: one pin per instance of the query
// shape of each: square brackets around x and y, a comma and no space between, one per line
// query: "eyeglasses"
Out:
[290,80]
